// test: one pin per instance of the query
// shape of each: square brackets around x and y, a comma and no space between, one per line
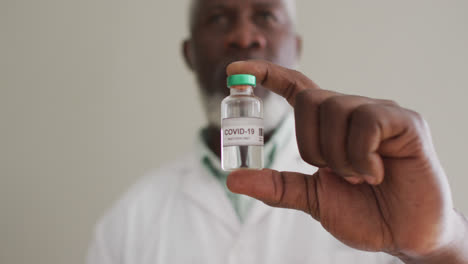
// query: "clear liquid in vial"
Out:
[249,157]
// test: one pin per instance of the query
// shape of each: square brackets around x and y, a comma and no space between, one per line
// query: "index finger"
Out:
[285,82]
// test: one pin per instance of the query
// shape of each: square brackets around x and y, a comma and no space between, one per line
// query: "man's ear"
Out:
[187,53]
[298,46]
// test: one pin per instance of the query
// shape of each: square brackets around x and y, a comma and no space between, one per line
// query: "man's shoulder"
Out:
[150,194]
[159,180]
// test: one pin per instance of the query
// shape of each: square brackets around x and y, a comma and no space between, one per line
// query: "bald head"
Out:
[290,7]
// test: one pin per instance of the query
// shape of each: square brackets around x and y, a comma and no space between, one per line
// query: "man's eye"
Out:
[266,16]
[220,19]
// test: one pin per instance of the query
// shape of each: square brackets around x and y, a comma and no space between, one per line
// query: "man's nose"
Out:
[245,35]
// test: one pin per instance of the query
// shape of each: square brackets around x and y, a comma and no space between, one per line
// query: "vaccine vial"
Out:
[241,125]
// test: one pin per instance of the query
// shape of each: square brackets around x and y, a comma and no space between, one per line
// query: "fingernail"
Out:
[370,179]
[354,180]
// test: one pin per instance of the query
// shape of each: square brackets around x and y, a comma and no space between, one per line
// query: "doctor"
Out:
[183,211]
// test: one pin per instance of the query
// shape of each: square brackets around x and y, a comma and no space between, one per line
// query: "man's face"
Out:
[224,31]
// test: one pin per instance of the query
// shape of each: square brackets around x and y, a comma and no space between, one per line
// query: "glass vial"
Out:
[241,125]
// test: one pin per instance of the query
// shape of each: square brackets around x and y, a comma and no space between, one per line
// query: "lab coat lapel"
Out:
[205,192]
[258,212]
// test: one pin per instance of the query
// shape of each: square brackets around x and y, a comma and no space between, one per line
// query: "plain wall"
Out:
[95,93]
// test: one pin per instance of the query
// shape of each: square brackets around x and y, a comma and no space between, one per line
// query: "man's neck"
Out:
[213,139]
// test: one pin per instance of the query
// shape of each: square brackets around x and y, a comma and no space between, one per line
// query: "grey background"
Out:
[95,93]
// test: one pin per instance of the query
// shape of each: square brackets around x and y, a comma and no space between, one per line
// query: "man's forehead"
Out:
[209,3]
[198,5]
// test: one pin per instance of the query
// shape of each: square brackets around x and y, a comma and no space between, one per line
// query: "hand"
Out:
[379,186]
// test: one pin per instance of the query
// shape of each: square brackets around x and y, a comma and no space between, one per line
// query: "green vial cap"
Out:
[241,79]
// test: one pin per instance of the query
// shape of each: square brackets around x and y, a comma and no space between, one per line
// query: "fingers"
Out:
[307,117]
[348,134]
[351,134]
[285,82]
[379,131]
[279,189]
[322,129]
[334,113]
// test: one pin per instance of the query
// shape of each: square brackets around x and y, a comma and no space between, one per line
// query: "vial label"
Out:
[242,131]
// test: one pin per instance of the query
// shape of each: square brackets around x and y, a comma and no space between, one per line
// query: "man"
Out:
[183,212]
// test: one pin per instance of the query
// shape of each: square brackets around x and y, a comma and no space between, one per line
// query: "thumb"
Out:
[283,81]
[279,189]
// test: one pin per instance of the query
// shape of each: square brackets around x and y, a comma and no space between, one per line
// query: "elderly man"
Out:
[184,213]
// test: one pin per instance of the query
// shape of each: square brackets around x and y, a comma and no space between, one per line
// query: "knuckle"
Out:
[313,202]
[416,117]
[304,99]
[363,114]
[279,190]
[298,74]
[388,102]
[331,104]
[418,121]
[290,90]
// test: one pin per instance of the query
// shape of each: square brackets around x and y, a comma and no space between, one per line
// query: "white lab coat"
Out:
[180,214]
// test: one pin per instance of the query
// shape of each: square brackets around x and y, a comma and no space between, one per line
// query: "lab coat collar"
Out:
[205,192]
